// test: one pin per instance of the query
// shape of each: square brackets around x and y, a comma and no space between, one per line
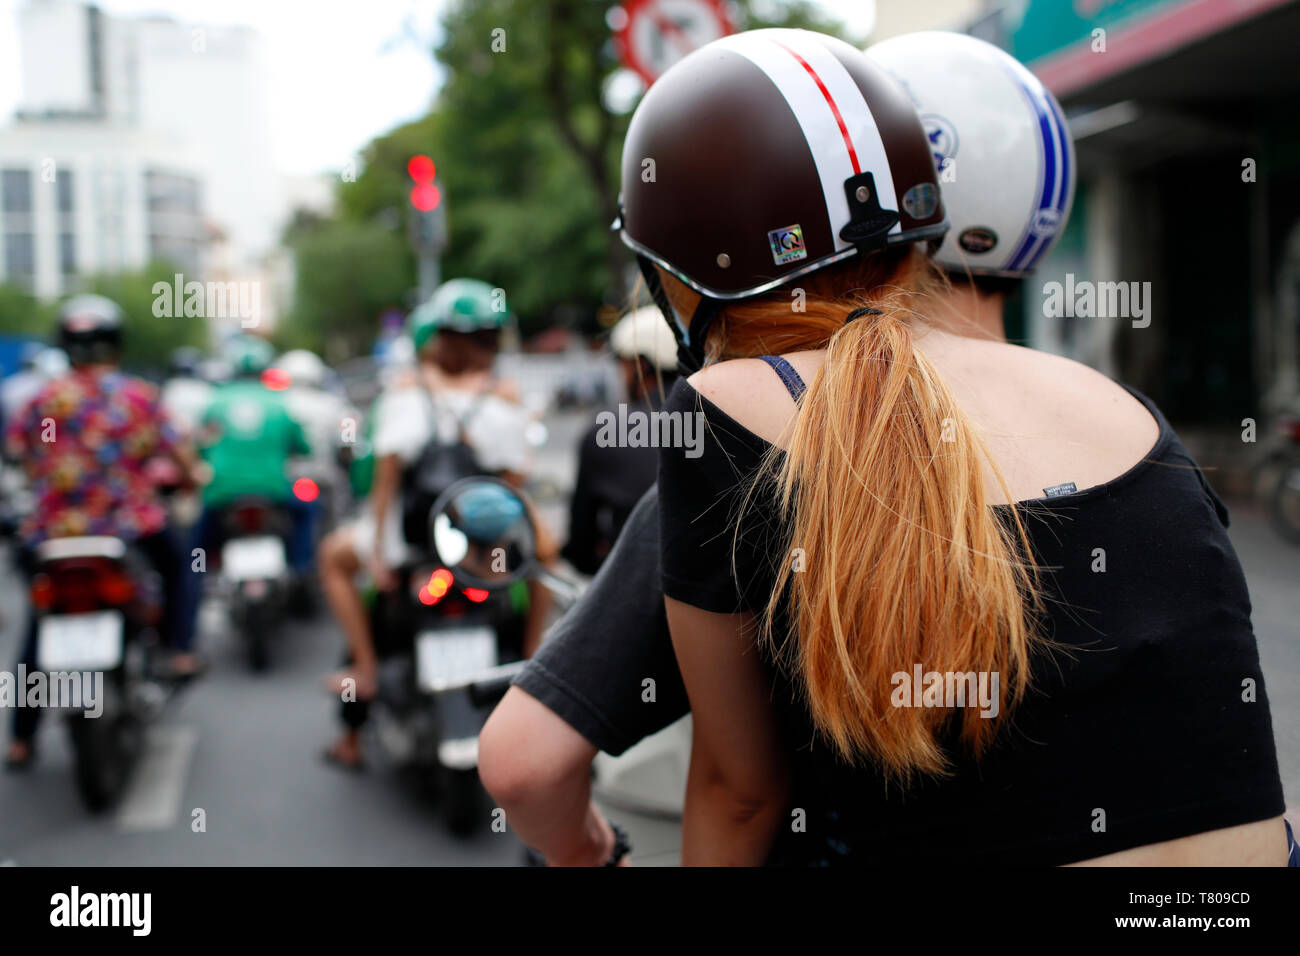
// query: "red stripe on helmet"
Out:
[830,101]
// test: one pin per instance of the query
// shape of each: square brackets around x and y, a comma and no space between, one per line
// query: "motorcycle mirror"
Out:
[483,532]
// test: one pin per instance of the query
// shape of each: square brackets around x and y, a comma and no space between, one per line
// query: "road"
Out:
[245,749]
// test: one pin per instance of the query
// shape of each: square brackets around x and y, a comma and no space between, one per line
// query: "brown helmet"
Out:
[765,156]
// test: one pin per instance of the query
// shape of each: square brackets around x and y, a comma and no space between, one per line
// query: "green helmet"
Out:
[249,355]
[459,305]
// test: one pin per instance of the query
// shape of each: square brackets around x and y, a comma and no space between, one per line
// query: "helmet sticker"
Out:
[942,136]
[978,239]
[1045,222]
[921,201]
[787,244]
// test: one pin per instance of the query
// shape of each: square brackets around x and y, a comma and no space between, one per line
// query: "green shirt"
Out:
[247,437]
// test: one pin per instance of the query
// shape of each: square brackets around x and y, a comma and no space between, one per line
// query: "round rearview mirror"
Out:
[483,532]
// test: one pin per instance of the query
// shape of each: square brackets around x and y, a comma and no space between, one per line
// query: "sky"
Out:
[339,72]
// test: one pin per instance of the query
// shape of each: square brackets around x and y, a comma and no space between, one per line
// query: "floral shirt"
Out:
[86,439]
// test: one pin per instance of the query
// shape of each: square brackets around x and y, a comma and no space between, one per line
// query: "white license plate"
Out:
[445,658]
[80,642]
[252,559]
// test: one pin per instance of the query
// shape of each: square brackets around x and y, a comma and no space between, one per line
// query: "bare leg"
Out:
[339,564]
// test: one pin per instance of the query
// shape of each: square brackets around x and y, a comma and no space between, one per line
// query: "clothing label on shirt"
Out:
[1057,491]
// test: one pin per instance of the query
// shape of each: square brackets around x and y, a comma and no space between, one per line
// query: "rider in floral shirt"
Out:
[86,439]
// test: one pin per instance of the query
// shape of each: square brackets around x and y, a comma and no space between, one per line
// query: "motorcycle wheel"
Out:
[259,654]
[104,748]
[1284,505]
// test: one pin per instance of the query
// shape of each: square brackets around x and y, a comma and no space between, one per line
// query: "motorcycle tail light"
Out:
[42,592]
[477,595]
[304,489]
[440,583]
[250,519]
[76,590]
[116,588]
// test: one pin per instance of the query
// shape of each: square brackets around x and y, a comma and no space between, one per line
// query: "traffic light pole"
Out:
[430,273]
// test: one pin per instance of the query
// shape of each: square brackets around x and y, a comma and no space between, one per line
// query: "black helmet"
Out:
[90,329]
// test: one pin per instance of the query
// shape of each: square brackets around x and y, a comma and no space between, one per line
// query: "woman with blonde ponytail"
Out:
[930,593]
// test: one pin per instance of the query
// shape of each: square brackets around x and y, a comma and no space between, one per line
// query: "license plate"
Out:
[446,658]
[80,642]
[245,559]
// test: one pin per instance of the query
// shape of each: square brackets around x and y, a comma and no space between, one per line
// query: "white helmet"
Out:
[1000,142]
[303,367]
[644,333]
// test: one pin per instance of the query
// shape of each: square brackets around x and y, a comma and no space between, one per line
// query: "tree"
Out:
[348,274]
[148,340]
[527,155]
[22,314]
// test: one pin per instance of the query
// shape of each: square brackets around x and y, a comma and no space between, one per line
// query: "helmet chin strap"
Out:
[690,338]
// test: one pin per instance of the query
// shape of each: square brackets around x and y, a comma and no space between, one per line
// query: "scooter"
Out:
[98,606]
[255,580]
[450,639]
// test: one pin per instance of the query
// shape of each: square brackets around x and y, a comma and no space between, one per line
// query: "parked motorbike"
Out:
[255,579]
[98,606]
[450,639]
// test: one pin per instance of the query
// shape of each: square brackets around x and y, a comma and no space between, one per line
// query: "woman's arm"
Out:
[738,787]
[538,769]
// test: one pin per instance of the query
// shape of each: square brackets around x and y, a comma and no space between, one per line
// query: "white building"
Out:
[135,139]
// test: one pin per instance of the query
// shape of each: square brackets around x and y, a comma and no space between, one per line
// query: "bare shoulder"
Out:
[752,394]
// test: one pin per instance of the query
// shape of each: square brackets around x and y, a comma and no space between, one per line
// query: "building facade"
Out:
[136,140]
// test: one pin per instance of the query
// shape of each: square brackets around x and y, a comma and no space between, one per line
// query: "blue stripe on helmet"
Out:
[1055,150]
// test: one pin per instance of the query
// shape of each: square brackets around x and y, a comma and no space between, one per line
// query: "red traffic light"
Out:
[420,169]
[425,197]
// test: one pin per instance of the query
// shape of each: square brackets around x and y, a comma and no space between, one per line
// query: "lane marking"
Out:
[153,797]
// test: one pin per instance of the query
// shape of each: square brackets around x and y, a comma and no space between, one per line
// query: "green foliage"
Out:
[149,340]
[23,315]
[527,159]
[348,274]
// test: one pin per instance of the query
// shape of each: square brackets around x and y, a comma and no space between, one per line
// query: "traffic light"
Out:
[425,194]
[428,227]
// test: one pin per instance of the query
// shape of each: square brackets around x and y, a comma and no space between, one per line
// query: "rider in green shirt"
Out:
[247,437]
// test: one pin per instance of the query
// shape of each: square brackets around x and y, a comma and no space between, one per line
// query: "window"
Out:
[67,253]
[20,259]
[16,190]
[66,191]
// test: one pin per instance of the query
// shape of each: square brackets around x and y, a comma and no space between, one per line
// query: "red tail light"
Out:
[42,592]
[477,595]
[276,379]
[116,588]
[304,489]
[81,586]
[76,589]
[250,519]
